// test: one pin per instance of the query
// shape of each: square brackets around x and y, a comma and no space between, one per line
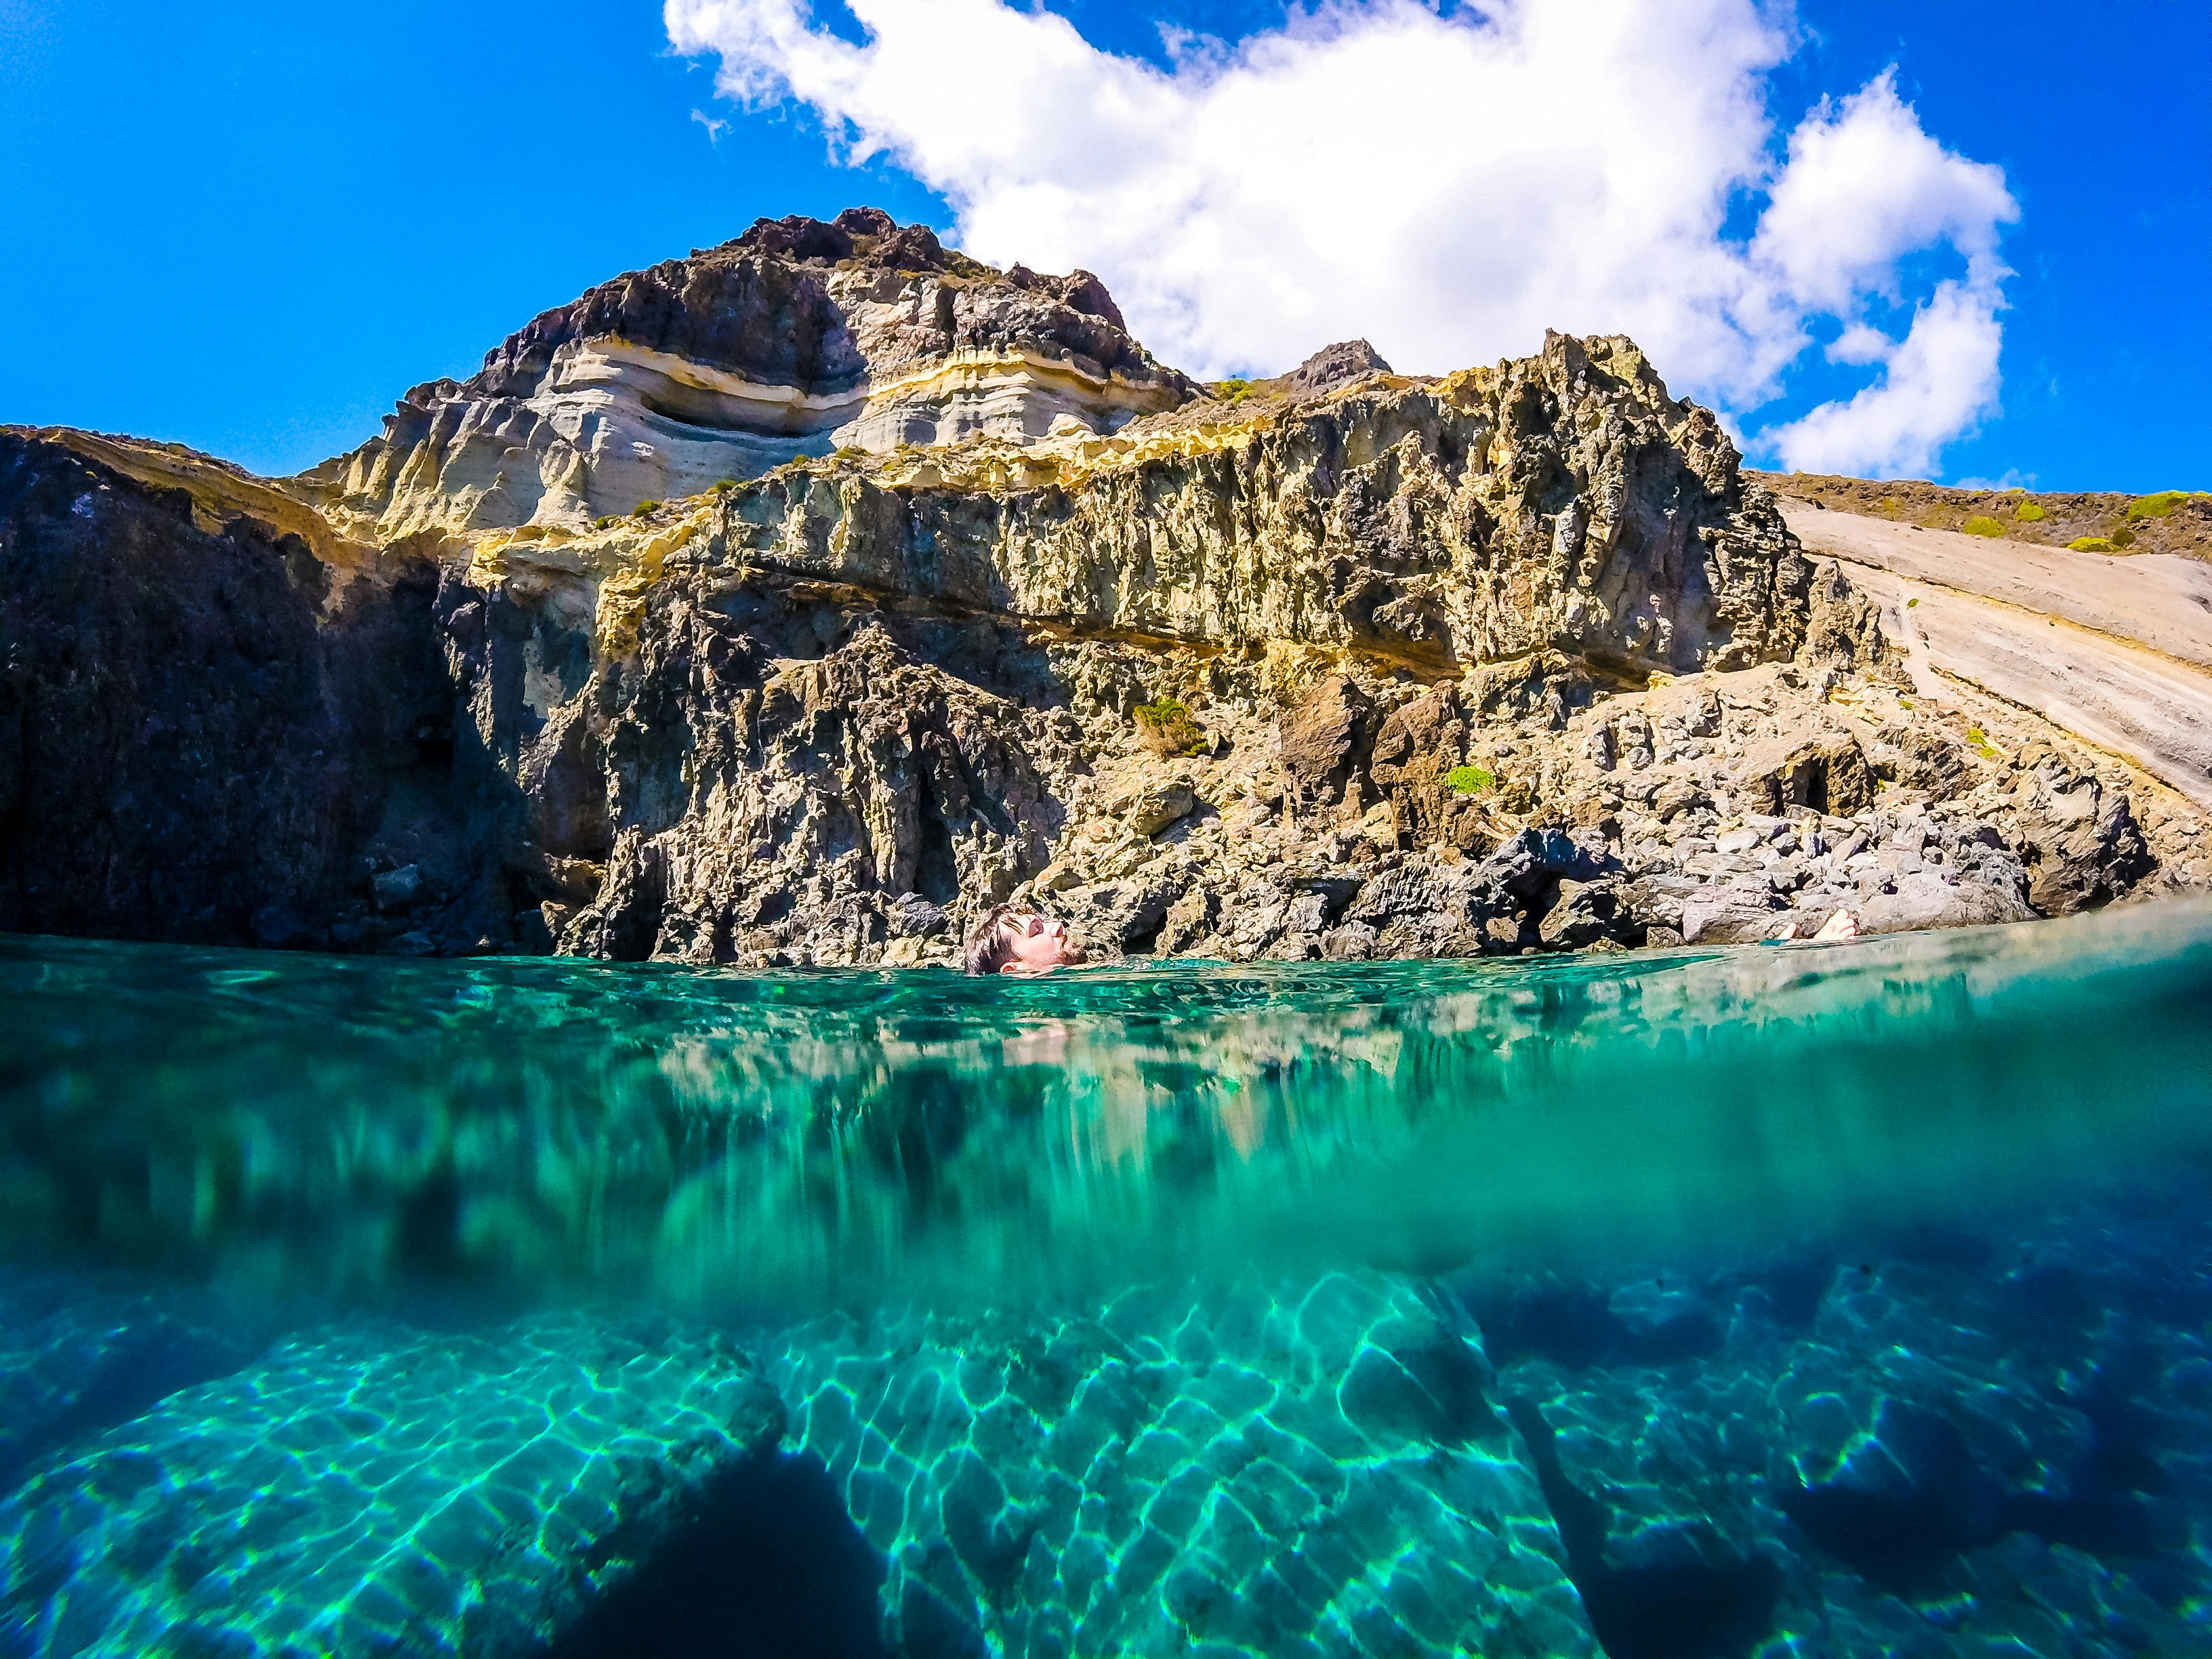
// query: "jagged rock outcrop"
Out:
[1333,366]
[1515,659]
[1564,501]
[795,339]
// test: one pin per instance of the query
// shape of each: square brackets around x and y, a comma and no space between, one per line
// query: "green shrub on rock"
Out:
[645,509]
[2158,506]
[1470,780]
[2091,544]
[605,522]
[2029,513]
[1165,727]
[1981,525]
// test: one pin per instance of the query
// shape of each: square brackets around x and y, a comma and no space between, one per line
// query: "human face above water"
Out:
[1036,945]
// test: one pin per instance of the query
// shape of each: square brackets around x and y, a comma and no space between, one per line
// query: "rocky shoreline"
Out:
[1348,665]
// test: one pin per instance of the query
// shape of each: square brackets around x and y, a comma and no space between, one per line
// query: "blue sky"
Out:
[249,227]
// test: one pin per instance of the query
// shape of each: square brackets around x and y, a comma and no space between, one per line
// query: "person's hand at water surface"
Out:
[1014,939]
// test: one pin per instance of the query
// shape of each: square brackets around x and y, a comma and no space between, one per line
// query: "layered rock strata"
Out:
[1344,663]
[796,338]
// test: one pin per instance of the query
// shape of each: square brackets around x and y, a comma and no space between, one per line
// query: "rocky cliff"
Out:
[796,338]
[954,595]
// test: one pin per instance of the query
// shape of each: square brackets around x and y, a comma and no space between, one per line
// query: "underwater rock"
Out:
[1919,1452]
[78,1357]
[1320,1473]
[369,1491]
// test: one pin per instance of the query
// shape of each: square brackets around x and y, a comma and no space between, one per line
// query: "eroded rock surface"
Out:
[795,338]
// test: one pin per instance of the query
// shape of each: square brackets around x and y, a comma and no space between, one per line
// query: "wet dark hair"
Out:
[986,943]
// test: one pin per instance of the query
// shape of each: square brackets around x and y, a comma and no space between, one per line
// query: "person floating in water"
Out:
[1014,939]
[1842,925]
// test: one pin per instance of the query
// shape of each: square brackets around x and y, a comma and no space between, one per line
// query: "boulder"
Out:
[1922,898]
[396,889]
[1156,806]
[1826,772]
[448,1485]
[2079,838]
[1325,738]
[1728,915]
[1919,756]
[1584,913]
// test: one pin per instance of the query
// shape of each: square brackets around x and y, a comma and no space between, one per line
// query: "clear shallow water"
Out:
[1805,1300]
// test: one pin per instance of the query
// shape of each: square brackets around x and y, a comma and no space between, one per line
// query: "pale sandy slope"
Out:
[2117,650]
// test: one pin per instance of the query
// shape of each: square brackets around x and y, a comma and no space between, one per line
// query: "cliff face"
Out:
[1563,500]
[201,712]
[1344,663]
[796,338]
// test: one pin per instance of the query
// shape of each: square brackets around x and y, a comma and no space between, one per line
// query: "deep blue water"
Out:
[1835,1300]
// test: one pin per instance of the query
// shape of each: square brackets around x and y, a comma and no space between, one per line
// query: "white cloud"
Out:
[715,128]
[1934,386]
[1447,184]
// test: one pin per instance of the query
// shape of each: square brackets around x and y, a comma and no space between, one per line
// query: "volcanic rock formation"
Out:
[1346,662]
[796,338]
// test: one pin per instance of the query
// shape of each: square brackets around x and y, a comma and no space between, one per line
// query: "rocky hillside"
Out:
[796,338]
[1346,663]
[2101,521]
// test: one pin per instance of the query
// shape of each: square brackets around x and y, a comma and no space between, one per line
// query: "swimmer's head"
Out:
[1015,940]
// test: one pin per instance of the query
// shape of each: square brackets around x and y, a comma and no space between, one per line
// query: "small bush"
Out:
[1165,727]
[645,509]
[2157,507]
[724,486]
[2091,544]
[2029,513]
[1470,780]
[605,522]
[1981,525]
[1909,604]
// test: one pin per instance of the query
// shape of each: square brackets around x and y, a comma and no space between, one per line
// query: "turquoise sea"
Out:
[1813,1300]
